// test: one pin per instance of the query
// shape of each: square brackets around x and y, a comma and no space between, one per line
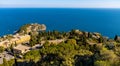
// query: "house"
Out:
[5,43]
[21,39]
[21,49]
[16,39]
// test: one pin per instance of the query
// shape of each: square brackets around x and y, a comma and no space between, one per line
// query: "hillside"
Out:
[73,48]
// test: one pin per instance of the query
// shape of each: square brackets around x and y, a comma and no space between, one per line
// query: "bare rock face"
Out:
[34,27]
[37,27]
[42,27]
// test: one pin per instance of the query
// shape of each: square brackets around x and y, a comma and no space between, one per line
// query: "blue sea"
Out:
[105,21]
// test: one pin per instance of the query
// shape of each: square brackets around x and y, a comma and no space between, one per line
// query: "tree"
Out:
[89,35]
[100,40]
[11,48]
[32,43]
[116,37]
[84,40]
[71,41]
[56,33]
[107,55]
[5,63]
[33,40]
[11,62]
[101,63]
[117,51]
[33,55]
[23,29]
[1,49]
[46,44]
[16,63]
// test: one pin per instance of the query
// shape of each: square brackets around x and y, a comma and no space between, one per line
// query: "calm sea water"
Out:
[105,21]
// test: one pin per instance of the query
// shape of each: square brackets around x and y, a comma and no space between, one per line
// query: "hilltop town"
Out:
[32,45]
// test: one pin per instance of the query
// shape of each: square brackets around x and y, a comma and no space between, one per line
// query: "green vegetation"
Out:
[11,62]
[71,41]
[5,63]
[33,55]
[78,48]
[23,29]
[101,63]
[8,63]
[1,49]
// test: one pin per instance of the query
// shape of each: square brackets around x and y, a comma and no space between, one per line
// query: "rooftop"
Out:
[21,47]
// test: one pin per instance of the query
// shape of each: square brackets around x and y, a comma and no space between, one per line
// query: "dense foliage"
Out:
[1,49]
[78,49]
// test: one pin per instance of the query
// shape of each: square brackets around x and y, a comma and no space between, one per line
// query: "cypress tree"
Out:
[116,37]
[100,40]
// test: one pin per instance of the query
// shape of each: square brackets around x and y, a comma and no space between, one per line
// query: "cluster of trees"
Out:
[44,36]
[8,63]
[64,54]
[75,51]
[24,29]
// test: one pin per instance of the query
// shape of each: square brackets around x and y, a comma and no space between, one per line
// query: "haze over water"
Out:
[105,21]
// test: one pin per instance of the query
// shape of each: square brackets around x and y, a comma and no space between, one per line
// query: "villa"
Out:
[21,49]
[17,39]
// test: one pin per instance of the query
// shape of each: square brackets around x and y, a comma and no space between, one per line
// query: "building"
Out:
[5,43]
[17,39]
[21,49]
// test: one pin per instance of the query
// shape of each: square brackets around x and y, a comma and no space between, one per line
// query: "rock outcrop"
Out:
[34,27]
